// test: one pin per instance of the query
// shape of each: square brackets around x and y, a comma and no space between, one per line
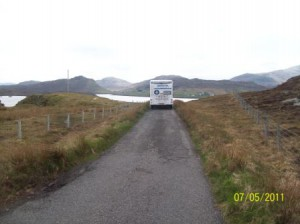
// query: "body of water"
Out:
[135,99]
[11,101]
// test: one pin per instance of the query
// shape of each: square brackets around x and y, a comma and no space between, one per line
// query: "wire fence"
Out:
[56,122]
[274,134]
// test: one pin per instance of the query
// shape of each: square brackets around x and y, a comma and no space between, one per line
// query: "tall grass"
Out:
[57,103]
[237,160]
[27,165]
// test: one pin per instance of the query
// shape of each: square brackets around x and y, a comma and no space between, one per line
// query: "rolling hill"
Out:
[282,102]
[113,84]
[77,84]
[184,87]
[269,79]
[30,82]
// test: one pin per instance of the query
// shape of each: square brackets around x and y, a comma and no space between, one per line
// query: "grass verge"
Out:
[30,164]
[238,161]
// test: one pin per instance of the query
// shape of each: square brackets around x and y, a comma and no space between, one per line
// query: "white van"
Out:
[161,93]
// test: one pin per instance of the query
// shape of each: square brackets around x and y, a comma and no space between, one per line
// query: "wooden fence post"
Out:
[68,121]
[19,129]
[82,117]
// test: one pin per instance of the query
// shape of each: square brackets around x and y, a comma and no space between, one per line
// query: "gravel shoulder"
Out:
[152,175]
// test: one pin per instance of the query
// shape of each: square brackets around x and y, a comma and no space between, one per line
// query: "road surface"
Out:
[152,175]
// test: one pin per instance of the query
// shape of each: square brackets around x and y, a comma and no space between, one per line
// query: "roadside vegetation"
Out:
[238,161]
[28,164]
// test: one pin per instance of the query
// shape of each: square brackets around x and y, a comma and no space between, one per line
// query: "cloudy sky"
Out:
[140,39]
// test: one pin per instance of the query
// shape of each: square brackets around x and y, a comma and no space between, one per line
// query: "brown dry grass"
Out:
[271,101]
[27,164]
[63,103]
[237,159]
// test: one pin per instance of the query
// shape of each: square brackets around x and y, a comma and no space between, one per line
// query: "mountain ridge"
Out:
[29,82]
[184,87]
[78,84]
[270,79]
[113,83]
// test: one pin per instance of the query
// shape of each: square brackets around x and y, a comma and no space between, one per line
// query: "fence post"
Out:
[116,109]
[19,129]
[102,113]
[110,111]
[82,117]
[68,121]
[48,122]
[278,137]
[94,113]
[266,127]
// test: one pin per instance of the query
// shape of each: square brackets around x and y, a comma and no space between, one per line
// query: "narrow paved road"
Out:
[152,175]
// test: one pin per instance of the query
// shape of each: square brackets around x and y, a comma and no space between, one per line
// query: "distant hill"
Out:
[292,86]
[269,79]
[288,89]
[184,87]
[113,84]
[258,79]
[77,84]
[30,82]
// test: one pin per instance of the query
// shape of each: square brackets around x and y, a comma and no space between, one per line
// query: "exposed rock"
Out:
[292,100]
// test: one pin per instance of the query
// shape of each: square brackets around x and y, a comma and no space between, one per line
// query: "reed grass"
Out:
[237,160]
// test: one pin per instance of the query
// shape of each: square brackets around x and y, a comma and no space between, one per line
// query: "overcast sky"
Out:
[140,39]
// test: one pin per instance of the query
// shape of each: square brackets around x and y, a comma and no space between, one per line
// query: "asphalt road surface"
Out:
[152,175]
